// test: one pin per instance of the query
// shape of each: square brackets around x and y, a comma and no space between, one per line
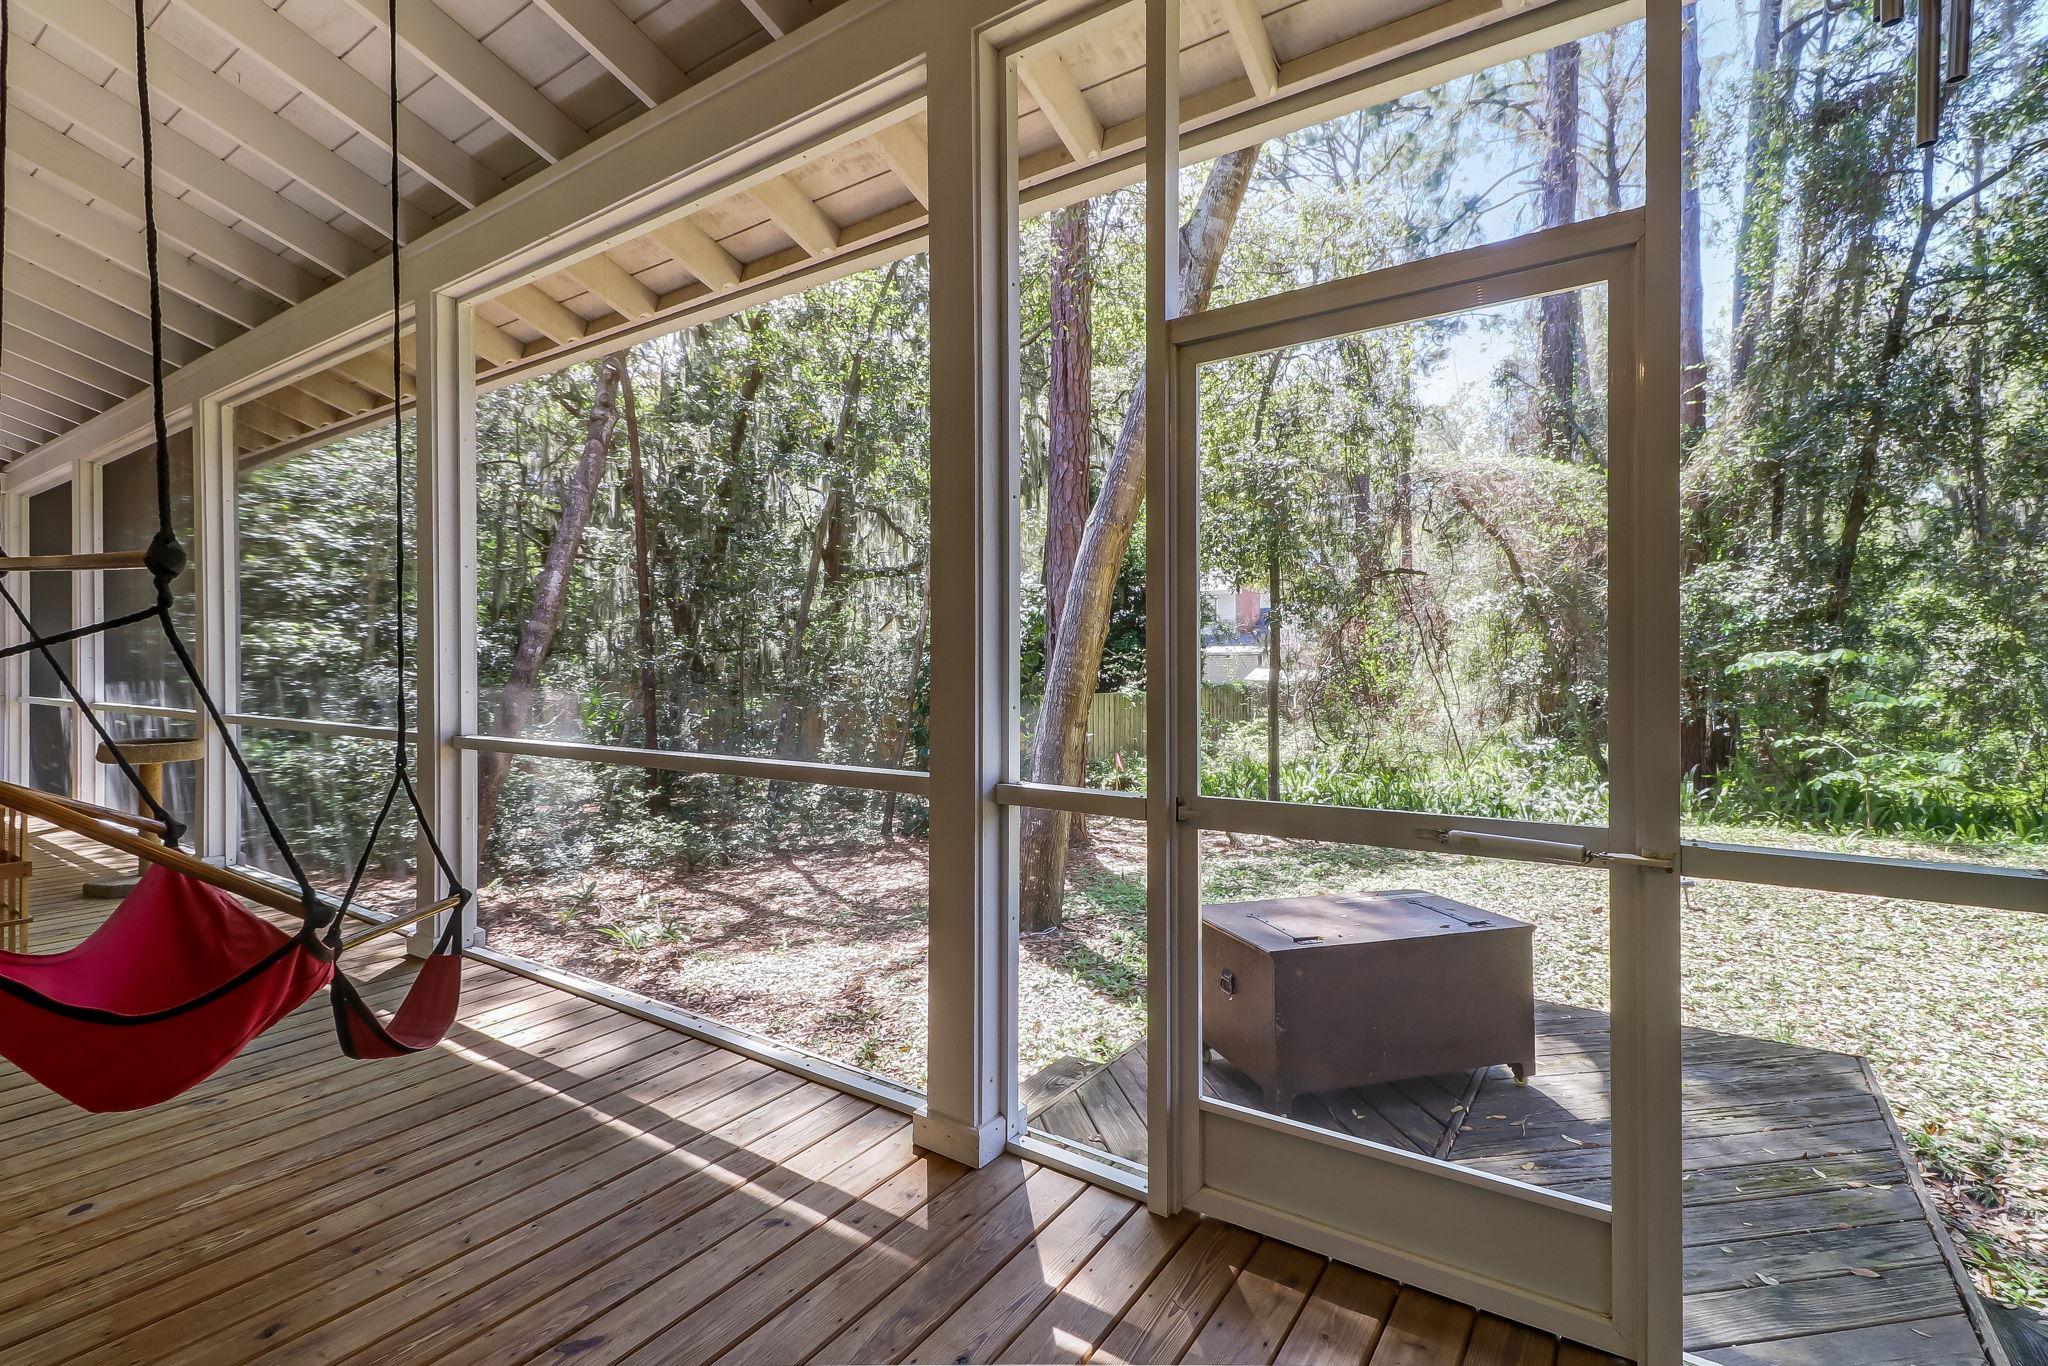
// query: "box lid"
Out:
[1307,922]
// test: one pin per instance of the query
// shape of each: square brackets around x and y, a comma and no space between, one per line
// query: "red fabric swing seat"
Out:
[164,993]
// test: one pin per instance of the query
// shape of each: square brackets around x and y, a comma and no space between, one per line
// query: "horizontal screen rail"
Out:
[350,729]
[105,708]
[1086,801]
[1954,884]
[908,781]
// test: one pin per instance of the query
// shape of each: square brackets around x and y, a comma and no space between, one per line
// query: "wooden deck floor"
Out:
[563,1182]
[1809,1239]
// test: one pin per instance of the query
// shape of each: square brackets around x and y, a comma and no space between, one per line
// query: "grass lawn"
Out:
[825,948]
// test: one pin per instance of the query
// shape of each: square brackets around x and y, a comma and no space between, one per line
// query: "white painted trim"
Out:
[1413,1163]
[1087,801]
[970,1060]
[1075,1159]
[1646,773]
[1172,706]
[444,575]
[89,780]
[908,781]
[216,586]
[354,730]
[1452,1278]
[1955,884]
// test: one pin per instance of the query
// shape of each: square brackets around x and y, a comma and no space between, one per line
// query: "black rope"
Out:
[79,632]
[173,829]
[166,558]
[401,775]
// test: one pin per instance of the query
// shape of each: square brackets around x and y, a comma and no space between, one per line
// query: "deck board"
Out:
[1796,1183]
[563,1181]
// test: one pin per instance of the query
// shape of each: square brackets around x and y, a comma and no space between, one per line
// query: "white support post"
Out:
[971,908]
[445,572]
[217,586]
[14,766]
[1644,804]
[85,651]
[1174,850]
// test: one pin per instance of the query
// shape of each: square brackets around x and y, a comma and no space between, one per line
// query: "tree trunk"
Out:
[1562,314]
[1870,444]
[1756,237]
[643,583]
[1070,409]
[1059,749]
[551,592]
[1692,342]
[924,620]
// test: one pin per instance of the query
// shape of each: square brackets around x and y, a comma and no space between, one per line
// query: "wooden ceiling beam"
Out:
[546,313]
[26,279]
[204,95]
[699,252]
[61,330]
[23,390]
[54,155]
[494,345]
[340,393]
[372,370]
[75,101]
[611,282]
[258,416]
[39,201]
[1063,103]
[114,382]
[1254,46]
[451,52]
[40,371]
[780,17]
[68,260]
[797,214]
[619,46]
[23,427]
[301,407]
[903,147]
[265,34]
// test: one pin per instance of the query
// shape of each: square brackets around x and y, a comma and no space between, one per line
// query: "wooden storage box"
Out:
[1324,992]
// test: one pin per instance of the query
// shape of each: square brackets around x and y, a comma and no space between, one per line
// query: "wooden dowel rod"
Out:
[134,819]
[106,559]
[412,918]
[62,814]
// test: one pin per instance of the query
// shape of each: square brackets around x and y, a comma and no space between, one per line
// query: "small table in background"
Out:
[148,758]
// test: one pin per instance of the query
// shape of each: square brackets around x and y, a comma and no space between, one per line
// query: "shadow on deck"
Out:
[1809,1239]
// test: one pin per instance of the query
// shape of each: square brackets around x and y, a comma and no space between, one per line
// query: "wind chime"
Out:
[1938,63]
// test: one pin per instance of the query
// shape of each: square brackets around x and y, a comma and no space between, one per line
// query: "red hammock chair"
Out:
[171,986]
[181,976]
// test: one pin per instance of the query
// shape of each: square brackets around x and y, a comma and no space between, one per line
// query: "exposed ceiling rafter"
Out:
[451,52]
[797,214]
[71,100]
[619,46]
[1052,84]
[52,154]
[346,93]
[203,95]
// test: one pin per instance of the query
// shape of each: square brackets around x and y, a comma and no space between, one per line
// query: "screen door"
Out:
[1407,607]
